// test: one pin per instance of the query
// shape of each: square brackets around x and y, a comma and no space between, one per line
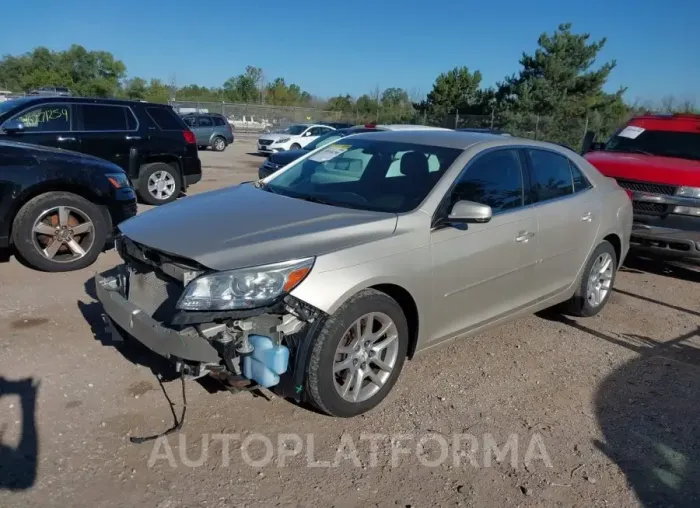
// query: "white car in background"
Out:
[294,137]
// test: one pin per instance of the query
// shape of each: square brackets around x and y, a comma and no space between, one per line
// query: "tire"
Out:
[322,388]
[172,186]
[580,304]
[295,146]
[218,144]
[44,211]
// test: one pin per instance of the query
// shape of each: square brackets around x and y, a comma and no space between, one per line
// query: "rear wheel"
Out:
[59,232]
[218,144]
[159,183]
[596,284]
[357,355]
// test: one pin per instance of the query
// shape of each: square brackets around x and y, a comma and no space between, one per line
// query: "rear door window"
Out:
[218,121]
[101,117]
[205,121]
[166,119]
[551,176]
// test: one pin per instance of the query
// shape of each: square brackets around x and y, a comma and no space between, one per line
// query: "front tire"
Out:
[596,283]
[59,232]
[295,146]
[218,144]
[159,183]
[357,355]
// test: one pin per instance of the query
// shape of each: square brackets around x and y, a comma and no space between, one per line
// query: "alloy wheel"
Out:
[161,185]
[63,234]
[600,279]
[365,357]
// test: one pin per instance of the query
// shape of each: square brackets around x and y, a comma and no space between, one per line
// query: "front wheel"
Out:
[596,283]
[159,183]
[59,232]
[295,146]
[357,355]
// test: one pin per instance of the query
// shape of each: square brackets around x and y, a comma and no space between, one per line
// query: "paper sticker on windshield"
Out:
[631,132]
[329,153]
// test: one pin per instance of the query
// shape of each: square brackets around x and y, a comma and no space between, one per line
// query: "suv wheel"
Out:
[59,232]
[596,284]
[218,144]
[159,183]
[357,355]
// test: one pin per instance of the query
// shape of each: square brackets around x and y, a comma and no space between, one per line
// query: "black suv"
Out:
[149,141]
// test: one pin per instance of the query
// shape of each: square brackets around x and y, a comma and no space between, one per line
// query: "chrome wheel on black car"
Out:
[59,232]
[159,183]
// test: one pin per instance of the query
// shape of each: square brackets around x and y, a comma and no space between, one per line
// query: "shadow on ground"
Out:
[18,464]
[648,410]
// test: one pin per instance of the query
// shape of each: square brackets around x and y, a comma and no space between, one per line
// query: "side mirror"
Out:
[13,126]
[469,211]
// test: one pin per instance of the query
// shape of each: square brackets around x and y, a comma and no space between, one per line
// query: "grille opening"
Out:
[651,188]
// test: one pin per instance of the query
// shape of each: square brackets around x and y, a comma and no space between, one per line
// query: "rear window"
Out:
[166,119]
[218,121]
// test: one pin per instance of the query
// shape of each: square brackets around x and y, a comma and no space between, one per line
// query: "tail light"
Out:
[190,139]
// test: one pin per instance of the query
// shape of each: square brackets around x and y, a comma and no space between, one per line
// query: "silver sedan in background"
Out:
[320,280]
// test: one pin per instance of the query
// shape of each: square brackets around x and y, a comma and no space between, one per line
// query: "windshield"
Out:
[324,140]
[683,145]
[295,130]
[366,174]
[11,104]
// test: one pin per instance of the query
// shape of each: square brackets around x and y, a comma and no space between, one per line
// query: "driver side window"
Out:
[494,179]
[47,118]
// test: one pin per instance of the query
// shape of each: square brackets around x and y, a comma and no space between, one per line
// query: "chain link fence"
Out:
[258,117]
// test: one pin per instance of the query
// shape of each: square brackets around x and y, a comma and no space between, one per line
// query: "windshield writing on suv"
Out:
[295,130]
[366,174]
[684,145]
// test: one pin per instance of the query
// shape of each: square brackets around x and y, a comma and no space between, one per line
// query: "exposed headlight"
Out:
[283,140]
[118,180]
[246,288]
[688,192]
[687,210]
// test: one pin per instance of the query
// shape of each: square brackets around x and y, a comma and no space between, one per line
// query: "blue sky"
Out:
[330,47]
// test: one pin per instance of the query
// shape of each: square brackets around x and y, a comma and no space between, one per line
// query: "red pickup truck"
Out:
[656,158]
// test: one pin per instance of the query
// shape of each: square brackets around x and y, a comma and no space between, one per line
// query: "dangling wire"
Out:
[178,424]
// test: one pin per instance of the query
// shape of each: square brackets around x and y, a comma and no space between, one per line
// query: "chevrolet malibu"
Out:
[322,279]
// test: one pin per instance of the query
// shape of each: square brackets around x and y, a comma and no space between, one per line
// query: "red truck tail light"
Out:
[190,139]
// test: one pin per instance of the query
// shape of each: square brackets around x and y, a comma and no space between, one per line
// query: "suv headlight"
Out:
[246,288]
[688,192]
[283,140]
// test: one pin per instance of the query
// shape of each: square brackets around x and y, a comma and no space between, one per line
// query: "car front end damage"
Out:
[258,347]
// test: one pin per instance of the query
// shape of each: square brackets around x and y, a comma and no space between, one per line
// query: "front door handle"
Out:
[132,138]
[524,236]
[587,217]
[62,139]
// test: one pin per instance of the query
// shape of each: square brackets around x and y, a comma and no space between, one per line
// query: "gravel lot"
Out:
[599,412]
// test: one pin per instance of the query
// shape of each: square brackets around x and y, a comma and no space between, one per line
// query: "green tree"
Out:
[135,88]
[456,91]
[559,86]
[342,103]
[93,73]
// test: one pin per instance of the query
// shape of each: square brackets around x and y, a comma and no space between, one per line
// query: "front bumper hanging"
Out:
[185,344]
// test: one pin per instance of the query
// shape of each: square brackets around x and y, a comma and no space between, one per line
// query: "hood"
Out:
[284,158]
[245,226]
[274,136]
[646,168]
[47,152]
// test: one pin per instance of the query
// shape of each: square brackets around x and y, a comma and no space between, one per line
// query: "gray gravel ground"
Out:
[599,412]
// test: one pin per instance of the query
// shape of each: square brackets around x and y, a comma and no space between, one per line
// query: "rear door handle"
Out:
[587,217]
[524,236]
[132,138]
[62,139]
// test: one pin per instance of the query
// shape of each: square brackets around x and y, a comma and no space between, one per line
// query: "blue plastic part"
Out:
[267,361]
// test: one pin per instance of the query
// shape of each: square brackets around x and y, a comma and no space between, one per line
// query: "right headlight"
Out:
[688,192]
[246,288]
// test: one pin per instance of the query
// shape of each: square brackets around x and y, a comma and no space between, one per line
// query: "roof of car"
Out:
[452,139]
[74,98]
